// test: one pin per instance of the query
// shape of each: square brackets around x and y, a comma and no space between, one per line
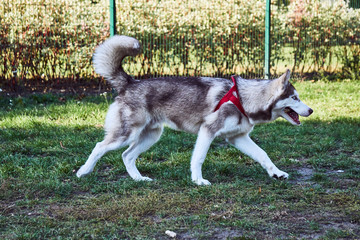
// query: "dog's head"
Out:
[288,104]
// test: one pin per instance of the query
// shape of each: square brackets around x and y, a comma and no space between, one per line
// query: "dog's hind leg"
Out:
[148,137]
[247,146]
[201,148]
[100,149]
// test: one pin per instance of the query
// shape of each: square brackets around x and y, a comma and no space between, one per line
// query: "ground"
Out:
[45,138]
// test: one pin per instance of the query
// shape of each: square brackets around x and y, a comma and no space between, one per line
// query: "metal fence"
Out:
[51,42]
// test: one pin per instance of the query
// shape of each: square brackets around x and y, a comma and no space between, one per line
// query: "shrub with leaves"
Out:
[49,40]
[53,41]
[326,35]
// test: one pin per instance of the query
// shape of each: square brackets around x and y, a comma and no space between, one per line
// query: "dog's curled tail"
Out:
[108,58]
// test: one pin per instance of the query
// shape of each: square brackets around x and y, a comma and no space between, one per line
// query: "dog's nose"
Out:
[310,111]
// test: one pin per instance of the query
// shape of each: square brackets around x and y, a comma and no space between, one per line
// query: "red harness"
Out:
[233,96]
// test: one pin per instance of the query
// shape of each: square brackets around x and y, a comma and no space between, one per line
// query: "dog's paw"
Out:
[280,175]
[141,178]
[201,181]
[83,171]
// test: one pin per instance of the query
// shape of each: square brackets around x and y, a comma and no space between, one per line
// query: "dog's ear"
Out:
[285,77]
[282,81]
[278,85]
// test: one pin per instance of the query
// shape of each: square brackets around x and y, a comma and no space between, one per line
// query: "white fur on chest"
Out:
[232,127]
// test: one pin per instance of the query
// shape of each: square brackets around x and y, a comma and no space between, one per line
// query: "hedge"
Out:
[48,41]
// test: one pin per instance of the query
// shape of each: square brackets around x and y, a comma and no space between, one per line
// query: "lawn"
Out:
[46,138]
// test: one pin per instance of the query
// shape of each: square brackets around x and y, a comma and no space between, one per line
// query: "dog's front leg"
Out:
[247,146]
[202,145]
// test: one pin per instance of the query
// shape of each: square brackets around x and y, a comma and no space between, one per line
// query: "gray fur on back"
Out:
[181,102]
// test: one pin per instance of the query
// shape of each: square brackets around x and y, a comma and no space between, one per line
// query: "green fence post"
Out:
[112,18]
[267,39]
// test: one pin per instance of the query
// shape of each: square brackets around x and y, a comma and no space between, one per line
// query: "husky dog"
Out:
[142,107]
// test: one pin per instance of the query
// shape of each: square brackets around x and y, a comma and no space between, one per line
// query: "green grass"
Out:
[46,138]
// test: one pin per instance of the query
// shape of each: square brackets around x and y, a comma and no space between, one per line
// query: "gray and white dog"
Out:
[143,107]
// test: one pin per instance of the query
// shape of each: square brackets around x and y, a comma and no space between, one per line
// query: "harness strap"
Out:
[233,96]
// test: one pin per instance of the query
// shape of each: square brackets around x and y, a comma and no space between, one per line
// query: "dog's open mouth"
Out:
[292,114]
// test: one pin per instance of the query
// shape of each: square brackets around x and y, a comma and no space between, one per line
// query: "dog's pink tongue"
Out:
[294,116]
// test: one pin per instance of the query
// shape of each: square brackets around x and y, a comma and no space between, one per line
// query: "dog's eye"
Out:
[295,98]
